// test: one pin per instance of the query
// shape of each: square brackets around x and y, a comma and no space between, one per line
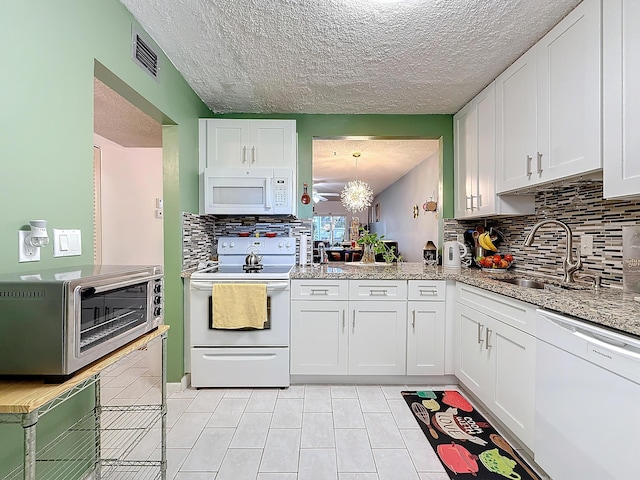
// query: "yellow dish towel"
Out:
[239,305]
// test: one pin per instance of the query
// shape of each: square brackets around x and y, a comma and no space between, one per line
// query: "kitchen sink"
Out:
[523,282]
[537,284]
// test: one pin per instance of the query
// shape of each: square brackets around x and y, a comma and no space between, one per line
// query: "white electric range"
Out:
[243,358]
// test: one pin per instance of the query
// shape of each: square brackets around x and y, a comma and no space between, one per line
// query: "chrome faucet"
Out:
[568,265]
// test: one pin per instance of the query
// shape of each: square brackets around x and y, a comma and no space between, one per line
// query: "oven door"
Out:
[110,314]
[275,333]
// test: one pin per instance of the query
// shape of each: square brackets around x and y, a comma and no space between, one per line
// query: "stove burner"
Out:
[252,268]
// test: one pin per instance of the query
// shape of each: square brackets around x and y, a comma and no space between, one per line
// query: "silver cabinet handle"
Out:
[353,324]
[529,160]
[413,323]
[480,340]
[478,202]
[319,291]
[428,293]
[343,322]
[468,200]
[378,293]
[253,155]
[488,345]
[244,154]
[539,164]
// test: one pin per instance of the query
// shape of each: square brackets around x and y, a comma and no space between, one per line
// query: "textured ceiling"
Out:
[344,56]
[381,161]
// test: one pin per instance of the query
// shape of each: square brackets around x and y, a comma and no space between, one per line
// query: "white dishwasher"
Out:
[587,401]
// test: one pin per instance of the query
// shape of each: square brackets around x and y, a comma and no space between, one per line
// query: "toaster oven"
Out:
[54,322]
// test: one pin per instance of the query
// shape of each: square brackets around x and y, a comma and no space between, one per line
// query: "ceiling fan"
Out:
[322,196]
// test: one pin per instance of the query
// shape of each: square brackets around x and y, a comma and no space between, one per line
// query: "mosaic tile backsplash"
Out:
[200,233]
[580,206]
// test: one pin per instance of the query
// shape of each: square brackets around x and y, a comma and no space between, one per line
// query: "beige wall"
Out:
[131,180]
[396,210]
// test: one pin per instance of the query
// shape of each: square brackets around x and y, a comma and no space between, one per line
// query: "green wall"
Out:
[426,126]
[50,53]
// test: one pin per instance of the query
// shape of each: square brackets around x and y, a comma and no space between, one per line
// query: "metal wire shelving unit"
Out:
[103,444]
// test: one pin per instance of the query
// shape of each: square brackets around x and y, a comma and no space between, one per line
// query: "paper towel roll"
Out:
[303,249]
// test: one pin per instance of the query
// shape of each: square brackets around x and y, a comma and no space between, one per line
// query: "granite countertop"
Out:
[608,307]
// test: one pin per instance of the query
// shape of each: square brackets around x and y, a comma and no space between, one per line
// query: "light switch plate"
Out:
[586,245]
[66,243]
[26,253]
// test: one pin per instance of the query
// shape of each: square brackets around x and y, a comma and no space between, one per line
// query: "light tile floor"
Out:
[305,432]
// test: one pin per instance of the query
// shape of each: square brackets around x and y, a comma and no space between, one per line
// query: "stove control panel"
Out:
[258,245]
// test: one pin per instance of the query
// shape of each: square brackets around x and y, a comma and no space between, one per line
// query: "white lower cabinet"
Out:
[495,360]
[319,337]
[426,327]
[377,338]
[319,333]
[363,327]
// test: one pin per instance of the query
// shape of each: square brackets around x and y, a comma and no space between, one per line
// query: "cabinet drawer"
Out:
[319,290]
[513,312]
[427,290]
[377,290]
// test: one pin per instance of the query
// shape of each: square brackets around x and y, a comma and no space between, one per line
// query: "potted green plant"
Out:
[389,254]
[372,245]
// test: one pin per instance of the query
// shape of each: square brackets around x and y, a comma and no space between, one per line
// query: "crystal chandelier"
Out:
[356,195]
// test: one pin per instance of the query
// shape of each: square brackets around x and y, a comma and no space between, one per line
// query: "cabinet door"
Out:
[513,395]
[485,191]
[621,59]
[273,144]
[227,143]
[472,362]
[466,128]
[377,338]
[319,337]
[516,123]
[425,338]
[569,93]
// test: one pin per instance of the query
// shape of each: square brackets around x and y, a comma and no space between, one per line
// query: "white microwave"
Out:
[248,191]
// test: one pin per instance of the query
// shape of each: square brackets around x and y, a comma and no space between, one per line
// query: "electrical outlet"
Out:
[460,237]
[586,245]
[26,253]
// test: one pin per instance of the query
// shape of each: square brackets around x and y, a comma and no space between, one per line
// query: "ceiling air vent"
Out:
[143,54]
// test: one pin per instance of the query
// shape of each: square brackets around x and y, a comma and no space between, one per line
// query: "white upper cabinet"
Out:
[549,105]
[569,94]
[475,162]
[248,143]
[516,133]
[621,60]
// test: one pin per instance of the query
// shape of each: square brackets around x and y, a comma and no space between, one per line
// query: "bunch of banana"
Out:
[484,240]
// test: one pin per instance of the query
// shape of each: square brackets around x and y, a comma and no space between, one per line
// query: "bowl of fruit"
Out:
[495,263]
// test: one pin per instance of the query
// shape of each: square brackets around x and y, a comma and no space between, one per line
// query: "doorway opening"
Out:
[403,172]
[128,182]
